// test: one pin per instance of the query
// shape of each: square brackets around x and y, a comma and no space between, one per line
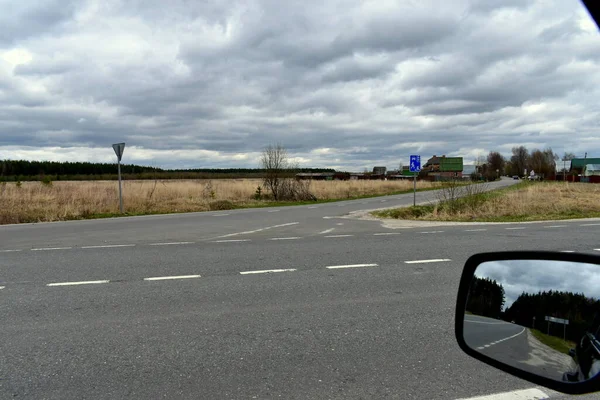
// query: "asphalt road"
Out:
[179,306]
[483,334]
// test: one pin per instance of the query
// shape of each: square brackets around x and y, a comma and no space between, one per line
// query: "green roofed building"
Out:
[578,164]
[444,166]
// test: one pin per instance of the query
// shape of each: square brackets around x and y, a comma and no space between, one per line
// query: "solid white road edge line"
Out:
[525,394]
[76,283]
[427,261]
[485,323]
[164,278]
[52,248]
[106,246]
[351,266]
[267,271]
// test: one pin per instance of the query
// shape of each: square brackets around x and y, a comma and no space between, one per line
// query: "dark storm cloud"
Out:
[22,20]
[346,84]
[533,276]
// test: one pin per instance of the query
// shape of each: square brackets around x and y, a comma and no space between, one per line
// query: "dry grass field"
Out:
[36,202]
[527,202]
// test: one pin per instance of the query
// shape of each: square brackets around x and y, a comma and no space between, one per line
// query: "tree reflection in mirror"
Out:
[540,316]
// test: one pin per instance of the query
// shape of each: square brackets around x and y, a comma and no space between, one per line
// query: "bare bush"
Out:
[279,176]
[291,189]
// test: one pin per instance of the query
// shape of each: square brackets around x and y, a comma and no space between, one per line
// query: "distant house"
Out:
[591,170]
[444,167]
[578,164]
[315,176]
[379,170]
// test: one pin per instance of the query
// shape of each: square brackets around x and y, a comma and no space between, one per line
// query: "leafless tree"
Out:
[496,162]
[275,163]
[279,175]
[519,159]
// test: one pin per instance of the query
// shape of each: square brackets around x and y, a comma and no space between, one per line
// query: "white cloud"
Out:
[212,83]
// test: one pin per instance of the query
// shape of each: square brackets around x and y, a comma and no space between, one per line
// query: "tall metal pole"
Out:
[120,189]
[414,190]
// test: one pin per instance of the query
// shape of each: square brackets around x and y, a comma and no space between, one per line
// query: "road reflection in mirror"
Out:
[537,315]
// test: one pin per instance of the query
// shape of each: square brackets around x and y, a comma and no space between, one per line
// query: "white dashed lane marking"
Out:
[2,287]
[164,278]
[433,232]
[567,251]
[351,266]
[555,226]
[475,230]
[589,225]
[10,251]
[51,248]
[286,238]
[267,271]
[514,229]
[221,215]
[107,246]
[386,234]
[338,236]
[434,260]
[76,283]
[327,231]
[257,230]
[169,243]
[500,341]
[274,211]
[231,241]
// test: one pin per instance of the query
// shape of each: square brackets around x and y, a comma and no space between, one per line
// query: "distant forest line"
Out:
[21,170]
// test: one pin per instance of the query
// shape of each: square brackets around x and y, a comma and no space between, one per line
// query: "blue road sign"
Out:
[415,163]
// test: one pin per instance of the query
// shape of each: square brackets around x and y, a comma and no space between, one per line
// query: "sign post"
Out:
[119,148]
[564,322]
[415,167]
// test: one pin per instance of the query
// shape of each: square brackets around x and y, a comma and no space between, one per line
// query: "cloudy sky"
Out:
[342,84]
[533,276]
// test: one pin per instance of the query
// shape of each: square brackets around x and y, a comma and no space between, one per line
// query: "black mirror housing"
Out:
[570,383]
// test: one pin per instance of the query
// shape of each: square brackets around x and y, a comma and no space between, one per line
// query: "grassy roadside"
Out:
[526,201]
[556,343]
[61,201]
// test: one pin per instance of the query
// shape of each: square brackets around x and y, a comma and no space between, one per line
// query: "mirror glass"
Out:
[540,316]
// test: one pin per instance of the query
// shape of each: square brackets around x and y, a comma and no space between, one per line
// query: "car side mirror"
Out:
[535,315]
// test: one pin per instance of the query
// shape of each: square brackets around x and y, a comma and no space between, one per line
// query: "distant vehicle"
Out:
[516,177]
